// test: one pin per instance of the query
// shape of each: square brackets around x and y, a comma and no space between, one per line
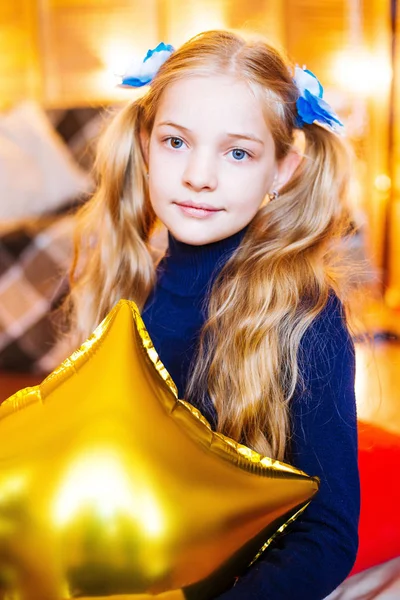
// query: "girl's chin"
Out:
[198,232]
[194,240]
[198,238]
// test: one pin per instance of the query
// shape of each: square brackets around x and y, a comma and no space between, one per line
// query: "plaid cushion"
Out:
[33,281]
[80,129]
[34,259]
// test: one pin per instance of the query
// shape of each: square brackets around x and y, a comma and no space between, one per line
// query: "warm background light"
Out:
[186,19]
[383,183]
[362,73]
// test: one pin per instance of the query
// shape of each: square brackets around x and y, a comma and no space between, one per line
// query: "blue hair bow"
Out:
[311,108]
[141,73]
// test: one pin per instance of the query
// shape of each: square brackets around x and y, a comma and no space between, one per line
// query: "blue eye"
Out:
[239,154]
[175,142]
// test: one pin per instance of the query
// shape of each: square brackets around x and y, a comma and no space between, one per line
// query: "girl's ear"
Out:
[286,168]
[144,142]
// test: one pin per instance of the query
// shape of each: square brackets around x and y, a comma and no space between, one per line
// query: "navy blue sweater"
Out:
[318,551]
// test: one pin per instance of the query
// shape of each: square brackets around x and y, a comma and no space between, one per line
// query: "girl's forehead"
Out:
[216,101]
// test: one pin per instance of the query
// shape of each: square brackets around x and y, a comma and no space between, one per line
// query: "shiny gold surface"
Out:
[109,484]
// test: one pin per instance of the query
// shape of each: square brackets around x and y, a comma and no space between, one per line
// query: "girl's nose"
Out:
[201,171]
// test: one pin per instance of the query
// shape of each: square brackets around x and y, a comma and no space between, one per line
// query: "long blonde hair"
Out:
[276,282]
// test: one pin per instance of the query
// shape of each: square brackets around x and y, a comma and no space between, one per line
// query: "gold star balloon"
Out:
[112,486]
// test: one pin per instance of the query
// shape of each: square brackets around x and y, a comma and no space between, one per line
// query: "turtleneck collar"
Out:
[186,270]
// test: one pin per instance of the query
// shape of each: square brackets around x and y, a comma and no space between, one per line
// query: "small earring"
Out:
[273,195]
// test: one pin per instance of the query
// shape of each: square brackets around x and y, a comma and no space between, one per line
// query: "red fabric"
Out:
[379,462]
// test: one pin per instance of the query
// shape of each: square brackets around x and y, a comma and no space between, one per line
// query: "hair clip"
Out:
[311,108]
[142,72]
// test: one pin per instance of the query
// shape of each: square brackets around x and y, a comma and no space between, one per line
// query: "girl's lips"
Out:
[199,213]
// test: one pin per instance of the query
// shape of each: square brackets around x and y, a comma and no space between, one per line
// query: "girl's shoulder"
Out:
[328,337]
[327,366]
[331,319]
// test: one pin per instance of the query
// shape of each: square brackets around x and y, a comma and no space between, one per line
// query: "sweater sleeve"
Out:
[318,551]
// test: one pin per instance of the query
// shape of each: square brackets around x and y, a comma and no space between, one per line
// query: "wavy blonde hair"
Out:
[274,285]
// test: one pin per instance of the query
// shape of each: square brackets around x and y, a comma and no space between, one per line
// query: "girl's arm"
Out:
[318,551]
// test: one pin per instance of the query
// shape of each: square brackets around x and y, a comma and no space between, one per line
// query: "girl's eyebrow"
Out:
[245,136]
[240,136]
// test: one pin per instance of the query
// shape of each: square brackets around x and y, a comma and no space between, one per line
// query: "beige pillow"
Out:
[37,172]
[20,180]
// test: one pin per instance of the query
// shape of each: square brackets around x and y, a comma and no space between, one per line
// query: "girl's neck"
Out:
[187,270]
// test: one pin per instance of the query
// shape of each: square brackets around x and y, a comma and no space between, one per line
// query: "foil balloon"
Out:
[112,485]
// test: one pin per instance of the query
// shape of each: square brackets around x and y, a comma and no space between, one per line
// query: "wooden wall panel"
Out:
[314,31]
[393,208]
[180,20]
[19,73]
[85,41]
[266,17]
[376,134]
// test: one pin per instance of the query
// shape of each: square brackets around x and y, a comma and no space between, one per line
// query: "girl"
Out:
[244,307]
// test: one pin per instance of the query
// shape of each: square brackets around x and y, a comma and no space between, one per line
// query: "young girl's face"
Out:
[211,158]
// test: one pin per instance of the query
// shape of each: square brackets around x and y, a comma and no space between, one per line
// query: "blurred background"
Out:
[60,61]
[67,53]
